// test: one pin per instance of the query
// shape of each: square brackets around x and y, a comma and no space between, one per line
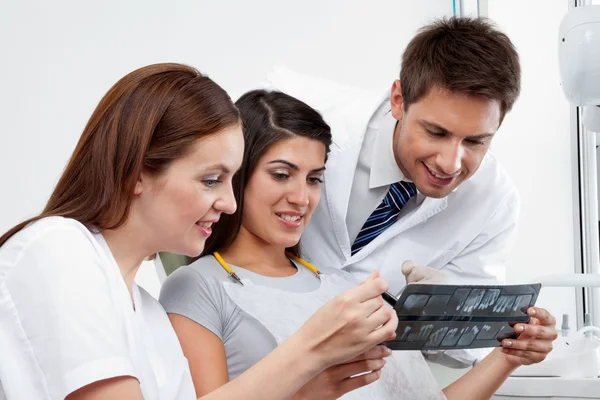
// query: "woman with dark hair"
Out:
[151,172]
[250,290]
[277,188]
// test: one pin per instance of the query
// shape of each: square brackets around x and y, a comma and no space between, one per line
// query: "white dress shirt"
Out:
[376,170]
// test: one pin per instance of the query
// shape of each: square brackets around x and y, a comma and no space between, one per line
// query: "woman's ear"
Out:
[141,184]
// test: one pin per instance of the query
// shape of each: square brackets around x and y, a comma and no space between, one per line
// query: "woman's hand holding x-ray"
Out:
[535,340]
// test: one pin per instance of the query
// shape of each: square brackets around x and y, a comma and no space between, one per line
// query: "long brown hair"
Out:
[149,118]
[267,117]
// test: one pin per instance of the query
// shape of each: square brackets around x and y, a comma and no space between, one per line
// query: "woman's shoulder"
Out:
[196,291]
[50,237]
[209,268]
[201,278]
[39,230]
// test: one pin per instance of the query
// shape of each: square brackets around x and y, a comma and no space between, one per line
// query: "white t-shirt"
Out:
[66,319]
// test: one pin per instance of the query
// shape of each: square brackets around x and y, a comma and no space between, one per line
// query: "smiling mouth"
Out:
[289,218]
[439,176]
[439,179]
[290,221]
[205,228]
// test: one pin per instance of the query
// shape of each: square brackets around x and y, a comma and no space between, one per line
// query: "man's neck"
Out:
[254,254]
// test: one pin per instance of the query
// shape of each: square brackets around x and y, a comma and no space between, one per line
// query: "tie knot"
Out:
[400,193]
[385,214]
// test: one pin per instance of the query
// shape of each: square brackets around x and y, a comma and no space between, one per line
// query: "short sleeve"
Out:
[65,306]
[203,300]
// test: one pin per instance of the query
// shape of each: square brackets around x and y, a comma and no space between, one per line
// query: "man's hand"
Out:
[420,274]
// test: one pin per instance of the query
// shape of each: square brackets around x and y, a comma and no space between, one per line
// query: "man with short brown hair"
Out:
[410,176]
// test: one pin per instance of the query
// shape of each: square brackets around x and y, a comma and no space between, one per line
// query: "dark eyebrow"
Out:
[289,164]
[318,170]
[219,167]
[441,129]
[294,166]
[480,136]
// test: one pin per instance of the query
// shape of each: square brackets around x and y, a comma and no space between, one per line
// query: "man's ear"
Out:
[397,101]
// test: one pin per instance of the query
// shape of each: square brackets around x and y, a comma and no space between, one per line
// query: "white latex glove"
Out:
[420,274]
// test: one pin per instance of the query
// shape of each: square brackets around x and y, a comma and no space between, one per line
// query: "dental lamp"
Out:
[579,67]
[579,62]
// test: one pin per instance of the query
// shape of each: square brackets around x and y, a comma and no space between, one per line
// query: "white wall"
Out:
[60,57]
[534,145]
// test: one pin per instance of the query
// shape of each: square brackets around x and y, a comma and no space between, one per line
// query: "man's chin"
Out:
[435,192]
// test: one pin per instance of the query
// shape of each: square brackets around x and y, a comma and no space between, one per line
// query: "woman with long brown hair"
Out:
[151,172]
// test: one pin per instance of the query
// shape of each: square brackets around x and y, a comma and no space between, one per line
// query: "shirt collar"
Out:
[384,169]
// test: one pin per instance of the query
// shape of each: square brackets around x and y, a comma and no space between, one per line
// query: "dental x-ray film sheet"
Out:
[441,317]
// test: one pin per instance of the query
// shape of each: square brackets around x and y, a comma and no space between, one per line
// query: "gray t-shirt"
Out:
[196,292]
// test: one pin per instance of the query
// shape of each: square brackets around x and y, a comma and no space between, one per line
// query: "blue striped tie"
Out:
[385,215]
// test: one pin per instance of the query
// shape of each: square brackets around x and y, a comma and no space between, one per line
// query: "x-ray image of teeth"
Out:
[469,335]
[452,337]
[436,305]
[436,337]
[458,300]
[473,300]
[406,330]
[489,299]
[425,331]
[522,301]
[415,302]
[433,317]
[489,331]
[504,303]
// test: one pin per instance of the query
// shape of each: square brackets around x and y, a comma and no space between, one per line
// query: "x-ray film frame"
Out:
[479,320]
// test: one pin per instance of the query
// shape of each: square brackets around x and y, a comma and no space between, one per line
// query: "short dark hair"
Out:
[267,118]
[462,55]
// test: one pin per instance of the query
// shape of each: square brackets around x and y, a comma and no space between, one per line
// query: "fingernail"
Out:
[508,343]
[388,351]
[519,328]
[532,311]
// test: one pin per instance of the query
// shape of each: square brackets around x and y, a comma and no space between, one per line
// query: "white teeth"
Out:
[439,176]
[204,224]
[291,218]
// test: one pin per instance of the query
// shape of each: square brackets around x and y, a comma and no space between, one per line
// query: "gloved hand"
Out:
[420,274]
